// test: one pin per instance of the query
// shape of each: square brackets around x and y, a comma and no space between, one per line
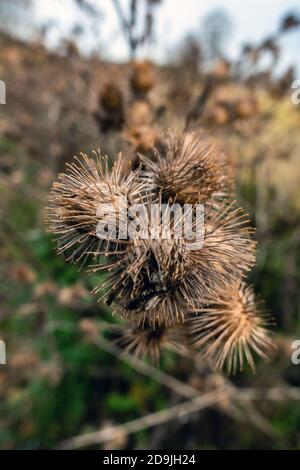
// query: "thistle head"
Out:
[141,139]
[139,113]
[110,114]
[111,98]
[148,341]
[142,78]
[188,168]
[160,277]
[87,194]
[229,332]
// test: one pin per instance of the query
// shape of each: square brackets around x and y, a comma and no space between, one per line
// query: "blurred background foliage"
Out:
[61,379]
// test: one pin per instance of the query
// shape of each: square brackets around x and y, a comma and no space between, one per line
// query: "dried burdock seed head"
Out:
[87,194]
[160,269]
[110,114]
[111,98]
[142,139]
[166,276]
[218,114]
[149,341]
[150,286]
[228,251]
[143,77]
[229,332]
[156,304]
[139,113]
[188,168]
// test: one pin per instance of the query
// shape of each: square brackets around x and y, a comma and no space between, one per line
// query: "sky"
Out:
[252,21]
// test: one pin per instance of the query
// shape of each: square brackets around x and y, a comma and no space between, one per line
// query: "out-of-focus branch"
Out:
[150,420]
[225,394]
[178,412]
[150,371]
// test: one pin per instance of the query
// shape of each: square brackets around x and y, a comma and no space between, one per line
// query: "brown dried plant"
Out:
[110,114]
[231,331]
[142,77]
[165,278]
[75,199]
[159,283]
[189,168]
[149,341]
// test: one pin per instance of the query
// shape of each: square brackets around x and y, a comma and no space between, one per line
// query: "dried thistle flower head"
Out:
[218,114]
[73,214]
[188,168]
[229,332]
[228,251]
[168,276]
[150,287]
[111,98]
[139,113]
[142,139]
[157,276]
[149,341]
[143,77]
[111,112]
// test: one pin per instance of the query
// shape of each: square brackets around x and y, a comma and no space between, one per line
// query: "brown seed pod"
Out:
[141,138]
[139,113]
[111,112]
[160,273]
[148,289]
[228,332]
[166,276]
[188,168]
[143,77]
[218,114]
[111,98]
[149,341]
[75,199]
